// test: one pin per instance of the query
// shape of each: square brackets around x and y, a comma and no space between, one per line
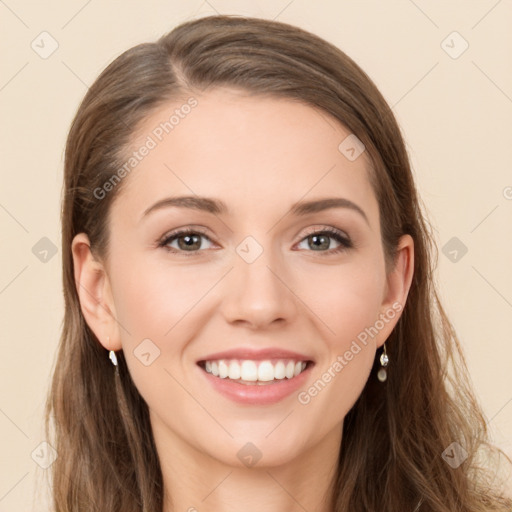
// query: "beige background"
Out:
[456,115]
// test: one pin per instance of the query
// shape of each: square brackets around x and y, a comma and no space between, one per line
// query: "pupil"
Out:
[190,240]
[319,237]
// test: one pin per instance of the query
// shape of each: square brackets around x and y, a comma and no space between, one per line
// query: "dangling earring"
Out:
[382,374]
[113,357]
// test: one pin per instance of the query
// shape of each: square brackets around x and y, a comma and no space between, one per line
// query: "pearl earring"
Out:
[382,374]
[113,357]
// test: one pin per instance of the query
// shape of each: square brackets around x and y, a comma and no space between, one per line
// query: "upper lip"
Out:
[256,355]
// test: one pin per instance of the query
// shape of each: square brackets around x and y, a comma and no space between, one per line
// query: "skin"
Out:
[248,151]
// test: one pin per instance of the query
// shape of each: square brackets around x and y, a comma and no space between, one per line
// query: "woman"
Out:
[251,321]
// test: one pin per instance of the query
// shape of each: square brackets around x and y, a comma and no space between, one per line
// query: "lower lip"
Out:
[257,394]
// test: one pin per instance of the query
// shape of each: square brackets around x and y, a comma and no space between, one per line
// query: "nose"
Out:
[259,294]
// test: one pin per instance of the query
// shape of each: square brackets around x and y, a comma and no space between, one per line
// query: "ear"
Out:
[94,293]
[398,283]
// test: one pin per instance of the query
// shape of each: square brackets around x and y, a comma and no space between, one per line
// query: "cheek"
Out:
[157,307]
[346,299]
[347,302]
[152,299]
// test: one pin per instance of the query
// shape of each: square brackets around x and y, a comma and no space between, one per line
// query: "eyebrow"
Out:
[218,207]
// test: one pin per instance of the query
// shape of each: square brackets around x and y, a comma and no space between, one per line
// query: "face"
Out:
[258,276]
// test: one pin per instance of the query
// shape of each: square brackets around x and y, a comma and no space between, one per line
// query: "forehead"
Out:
[256,153]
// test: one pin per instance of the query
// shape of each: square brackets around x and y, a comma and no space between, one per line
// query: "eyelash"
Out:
[345,242]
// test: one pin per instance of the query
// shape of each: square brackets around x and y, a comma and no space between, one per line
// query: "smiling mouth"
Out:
[251,372]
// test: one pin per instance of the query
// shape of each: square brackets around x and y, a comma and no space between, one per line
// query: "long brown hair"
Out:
[395,435]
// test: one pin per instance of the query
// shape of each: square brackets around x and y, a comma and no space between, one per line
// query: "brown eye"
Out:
[188,241]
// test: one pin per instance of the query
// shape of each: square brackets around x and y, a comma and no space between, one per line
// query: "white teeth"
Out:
[279,372]
[223,370]
[249,371]
[234,370]
[252,371]
[266,371]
